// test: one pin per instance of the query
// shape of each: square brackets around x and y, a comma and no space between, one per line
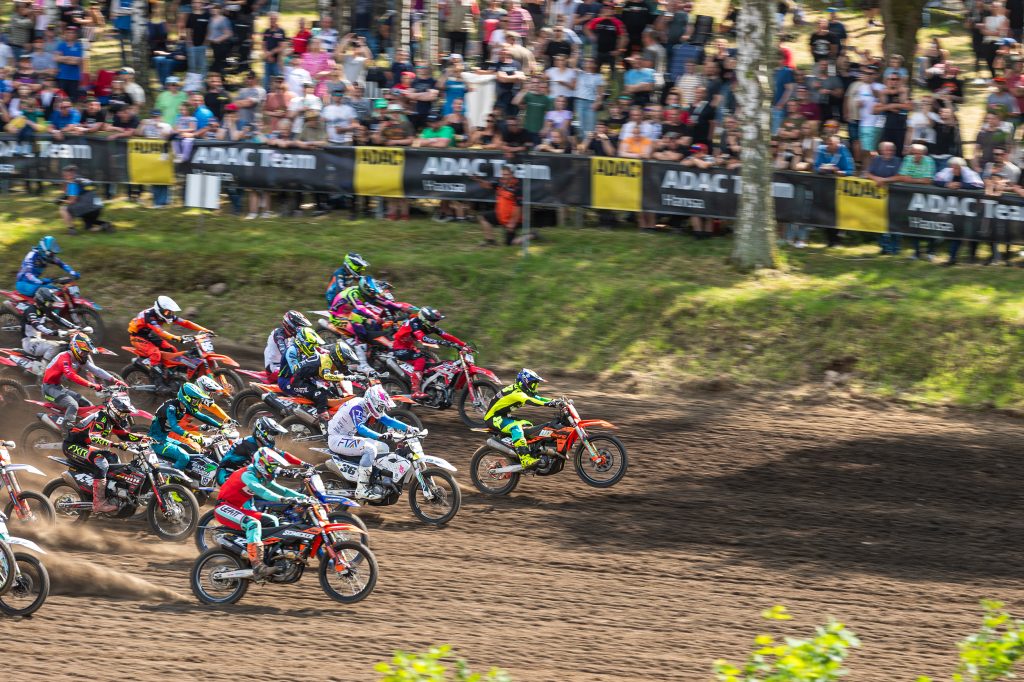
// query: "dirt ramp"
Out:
[77,577]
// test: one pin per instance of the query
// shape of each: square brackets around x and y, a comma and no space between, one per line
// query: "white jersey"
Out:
[272,354]
[350,416]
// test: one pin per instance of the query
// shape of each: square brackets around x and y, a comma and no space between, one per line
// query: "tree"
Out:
[902,19]
[754,245]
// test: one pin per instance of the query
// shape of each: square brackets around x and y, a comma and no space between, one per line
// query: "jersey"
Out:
[341,279]
[168,418]
[148,325]
[242,452]
[318,367]
[350,421]
[65,366]
[35,262]
[277,345]
[415,330]
[33,322]
[95,431]
[244,485]
[510,399]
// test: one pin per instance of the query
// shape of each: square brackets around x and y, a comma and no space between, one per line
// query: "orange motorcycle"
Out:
[183,366]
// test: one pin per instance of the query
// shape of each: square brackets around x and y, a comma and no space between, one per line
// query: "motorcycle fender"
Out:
[26,543]
[335,466]
[143,414]
[403,399]
[338,499]
[599,423]
[222,358]
[23,467]
[86,303]
[438,462]
[342,527]
[474,371]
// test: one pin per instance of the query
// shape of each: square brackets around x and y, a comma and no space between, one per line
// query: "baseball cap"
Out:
[433,118]
[156,112]
[395,107]
[173,80]
[127,69]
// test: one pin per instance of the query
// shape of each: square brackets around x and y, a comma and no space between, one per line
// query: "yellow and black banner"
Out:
[616,184]
[150,162]
[862,205]
[380,172]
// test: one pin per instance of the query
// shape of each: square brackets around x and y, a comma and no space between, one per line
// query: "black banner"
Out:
[256,166]
[42,158]
[925,211]
[452,174]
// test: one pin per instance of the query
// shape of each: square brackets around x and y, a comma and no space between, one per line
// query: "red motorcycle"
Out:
[70,305]
[32,365]
[186,365]
[458,382]
[45,433]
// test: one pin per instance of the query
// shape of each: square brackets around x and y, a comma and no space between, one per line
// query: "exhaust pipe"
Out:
[495,444]
[278,404]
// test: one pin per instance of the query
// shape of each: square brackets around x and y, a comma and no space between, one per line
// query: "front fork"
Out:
[594,455]
[14,490]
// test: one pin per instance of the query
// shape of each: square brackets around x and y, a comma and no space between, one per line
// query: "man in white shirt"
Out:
[328,34]
[298,107]
[561,79]
[133,89]
[339,118]
[295,76]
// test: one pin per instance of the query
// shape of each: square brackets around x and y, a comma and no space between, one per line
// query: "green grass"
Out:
[596,301]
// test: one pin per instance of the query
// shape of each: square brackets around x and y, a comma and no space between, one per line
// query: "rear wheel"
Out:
[258,410]
[481,471]
[242,401]
[10,328]
[472,411]
[135,376]
[180,514]
[606,465]
[12,393]
[61,495]
[395,385]
[229,380]
[30,588]
[207,584]
[40,512]
[41,439]
[352,577]
[445,497]
[299,429]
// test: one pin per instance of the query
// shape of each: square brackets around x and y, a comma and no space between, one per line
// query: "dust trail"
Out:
[82,538]
[77,577]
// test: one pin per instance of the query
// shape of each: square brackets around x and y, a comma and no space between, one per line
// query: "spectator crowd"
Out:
[630,78]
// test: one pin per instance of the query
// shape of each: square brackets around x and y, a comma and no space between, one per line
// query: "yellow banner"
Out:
[862,205]
[150,162]
[380,171]
[616,184]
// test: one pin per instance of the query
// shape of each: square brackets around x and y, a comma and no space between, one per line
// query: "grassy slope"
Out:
[586,299]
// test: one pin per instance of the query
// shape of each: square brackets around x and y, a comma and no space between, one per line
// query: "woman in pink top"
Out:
[317,62]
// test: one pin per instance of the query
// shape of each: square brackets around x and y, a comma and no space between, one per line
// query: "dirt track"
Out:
[894,521]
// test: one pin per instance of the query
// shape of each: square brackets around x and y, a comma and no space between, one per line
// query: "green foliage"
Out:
[990,654]
[430,667]
[818,659]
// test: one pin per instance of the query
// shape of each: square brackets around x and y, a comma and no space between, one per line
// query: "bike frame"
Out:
[469,371]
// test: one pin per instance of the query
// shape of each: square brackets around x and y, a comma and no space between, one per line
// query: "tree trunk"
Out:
[754,243]
[902,19]
[140,46]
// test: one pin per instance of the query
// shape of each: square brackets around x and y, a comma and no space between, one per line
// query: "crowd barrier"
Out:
[554,180]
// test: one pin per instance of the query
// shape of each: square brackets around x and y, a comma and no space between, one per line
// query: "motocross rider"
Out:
[328,367]
[352,268]
[242,452]
[67,365]
[279,341]
[416,329]
[167,420]
[148,337]
[305,345]
[523,391]
[235,507]
[90,440]
[34,326]
[348,435]
[42,254]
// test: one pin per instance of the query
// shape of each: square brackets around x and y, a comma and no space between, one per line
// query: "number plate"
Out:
[470,359]
[74,290]
[206,346]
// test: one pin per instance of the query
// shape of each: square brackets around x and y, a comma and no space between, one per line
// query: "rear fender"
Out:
[143,414]
[258,376]
[342,527]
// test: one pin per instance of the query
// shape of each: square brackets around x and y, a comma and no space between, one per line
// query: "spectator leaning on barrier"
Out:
[155,128]
[883,169]
[958,175]
[919,169]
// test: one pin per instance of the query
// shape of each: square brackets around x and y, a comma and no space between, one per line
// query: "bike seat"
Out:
[534,431]
[352,459]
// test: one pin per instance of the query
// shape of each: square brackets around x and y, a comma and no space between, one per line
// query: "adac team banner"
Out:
[42,158]
[255,166]
[926,211]
[150,162]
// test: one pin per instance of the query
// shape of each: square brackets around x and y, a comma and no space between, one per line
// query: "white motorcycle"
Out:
[434,496]
[24,582]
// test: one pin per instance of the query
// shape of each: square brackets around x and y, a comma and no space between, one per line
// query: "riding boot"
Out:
[525,458]
[363,489]
[255,552]
[417,380]
[100,504]
[360,350]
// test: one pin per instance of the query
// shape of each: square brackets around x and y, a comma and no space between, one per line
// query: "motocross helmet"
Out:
[209,384]
[266,462]
[527,381]
[377,401]
[355,264]
[387,291]
[119,408]
[293,319]
[48,246]
[369,289]
[193,397]
[342,355]
[80,346]
[307,341]
[264,430]
[165,307]
[430,317]
[44,296]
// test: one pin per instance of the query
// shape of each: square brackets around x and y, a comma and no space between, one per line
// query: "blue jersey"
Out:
[35,262]
[168,417]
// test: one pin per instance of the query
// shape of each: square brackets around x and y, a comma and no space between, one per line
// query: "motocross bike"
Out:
[247,397]
[600,459]
[434,496]
[24,582]
[460,382]
[183,366]
[70,305]
[45,433]
[171,508]
[347,570]
[26,507]
[289,512]
[299,416]
[205,457]
[34,365]
[11,392]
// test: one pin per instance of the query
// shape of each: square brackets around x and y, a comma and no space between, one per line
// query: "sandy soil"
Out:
[896,522]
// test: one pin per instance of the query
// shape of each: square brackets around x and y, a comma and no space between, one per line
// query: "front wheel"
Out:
[135,376]
[207,584]
[472,411]
[481,471]
[30,589]
[445,497]
[40,438]
[352,577]
[180,514]
[35,511]
[10,328]
[363,537]
[206,531]
[606,465]
[229,380]
[7,563]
